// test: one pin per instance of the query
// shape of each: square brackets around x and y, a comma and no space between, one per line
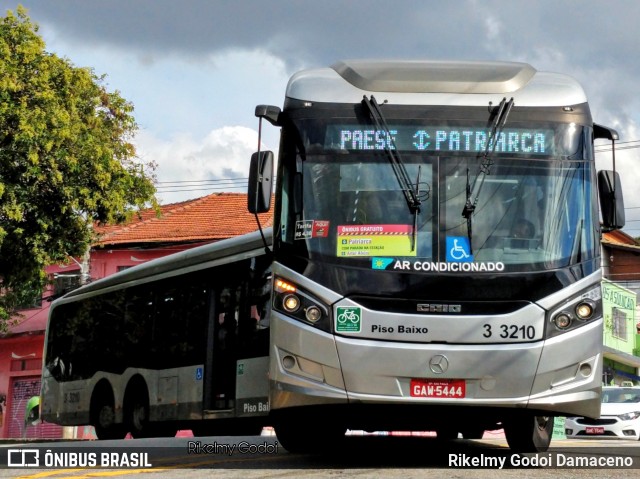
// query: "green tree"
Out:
[66,160]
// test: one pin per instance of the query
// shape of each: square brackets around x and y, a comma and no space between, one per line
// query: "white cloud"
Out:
[190,167]
[185,108]
[493,28]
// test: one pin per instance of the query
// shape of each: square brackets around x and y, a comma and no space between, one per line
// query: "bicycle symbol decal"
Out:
[349,319]
[458,249]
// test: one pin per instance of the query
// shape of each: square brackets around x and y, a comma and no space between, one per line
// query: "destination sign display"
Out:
[518,141]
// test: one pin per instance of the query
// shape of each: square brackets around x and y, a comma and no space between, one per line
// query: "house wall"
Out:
[621,265]
[20,358]
[619,309]
[105,262]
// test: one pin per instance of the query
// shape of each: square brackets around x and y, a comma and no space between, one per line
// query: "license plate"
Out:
[594,430]
[441,388]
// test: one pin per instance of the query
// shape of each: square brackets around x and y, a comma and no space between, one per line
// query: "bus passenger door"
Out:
[222,353]
[252,372]
[238,340]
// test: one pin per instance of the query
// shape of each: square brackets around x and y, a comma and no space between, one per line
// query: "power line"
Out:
[213,180]
[633,147]
[211,185]
[202,189]
[628,145]
[620,142]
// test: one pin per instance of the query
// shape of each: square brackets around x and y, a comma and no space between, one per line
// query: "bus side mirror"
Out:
[260,182]
[269,112]
[611,200]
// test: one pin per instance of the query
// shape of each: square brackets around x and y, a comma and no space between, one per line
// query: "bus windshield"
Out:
[533,213]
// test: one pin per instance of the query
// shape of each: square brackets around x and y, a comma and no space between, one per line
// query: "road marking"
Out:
[91,473]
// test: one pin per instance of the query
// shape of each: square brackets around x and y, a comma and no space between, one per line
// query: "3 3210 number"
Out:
[510,331]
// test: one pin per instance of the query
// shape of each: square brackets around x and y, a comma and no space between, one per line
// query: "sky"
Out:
[196,69]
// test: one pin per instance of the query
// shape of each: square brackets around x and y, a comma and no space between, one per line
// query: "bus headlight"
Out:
[297,303]
[291,303]
[585,309]
[562,320]
[313,314]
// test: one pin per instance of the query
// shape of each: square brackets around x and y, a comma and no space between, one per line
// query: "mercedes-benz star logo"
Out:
[438,364]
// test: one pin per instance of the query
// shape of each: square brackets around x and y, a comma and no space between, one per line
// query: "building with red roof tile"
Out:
[173,228]
[206,219]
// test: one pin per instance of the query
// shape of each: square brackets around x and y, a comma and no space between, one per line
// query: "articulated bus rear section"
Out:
[176,343]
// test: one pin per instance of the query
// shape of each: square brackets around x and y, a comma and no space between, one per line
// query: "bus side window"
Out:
[138,327]
[176,316]
[195,308]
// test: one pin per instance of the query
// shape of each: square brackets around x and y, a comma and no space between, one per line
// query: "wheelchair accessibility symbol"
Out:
[458,249]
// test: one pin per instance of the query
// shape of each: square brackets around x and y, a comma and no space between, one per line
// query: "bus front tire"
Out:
[446,434]
[529,433]
[303,437]
[472,433]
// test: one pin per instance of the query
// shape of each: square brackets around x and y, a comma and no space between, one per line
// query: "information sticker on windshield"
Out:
[311,229]
[375,240]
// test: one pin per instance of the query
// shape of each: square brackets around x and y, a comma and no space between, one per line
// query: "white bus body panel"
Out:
[544,89]
[495,375]
[312,367]
[252,387]
[173,393]
[541,375]
[305,368]
[447,328]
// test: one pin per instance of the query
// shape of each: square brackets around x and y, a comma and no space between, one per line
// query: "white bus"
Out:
[434,265]
[437,243]
[180,342]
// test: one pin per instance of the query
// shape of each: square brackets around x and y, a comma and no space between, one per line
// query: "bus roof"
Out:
[435,83]
[184,261]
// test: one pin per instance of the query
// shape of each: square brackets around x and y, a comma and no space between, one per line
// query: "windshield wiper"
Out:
[485,166]
[399,169]
[576,247]
[411,193]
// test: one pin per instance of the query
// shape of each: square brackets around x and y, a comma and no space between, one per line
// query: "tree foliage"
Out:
[66,159]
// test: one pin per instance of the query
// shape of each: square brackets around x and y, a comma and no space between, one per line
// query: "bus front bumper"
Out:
[310,367]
